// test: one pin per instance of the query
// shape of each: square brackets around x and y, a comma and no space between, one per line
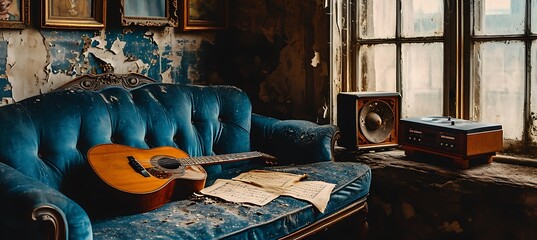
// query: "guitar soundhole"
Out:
[165,166]
[168,163]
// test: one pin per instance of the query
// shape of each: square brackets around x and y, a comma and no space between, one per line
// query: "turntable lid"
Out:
[454,124]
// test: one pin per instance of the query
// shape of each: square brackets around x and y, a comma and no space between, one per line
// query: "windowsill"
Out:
[429,198]
[516,159]
[506,169]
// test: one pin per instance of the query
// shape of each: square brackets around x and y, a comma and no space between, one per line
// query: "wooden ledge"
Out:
[428,198]
[500,171]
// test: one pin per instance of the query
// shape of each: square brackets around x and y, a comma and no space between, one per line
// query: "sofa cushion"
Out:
[49,135]
[211,218]
[200,120]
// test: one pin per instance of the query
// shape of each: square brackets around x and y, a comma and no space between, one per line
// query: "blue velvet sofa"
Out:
[48,190]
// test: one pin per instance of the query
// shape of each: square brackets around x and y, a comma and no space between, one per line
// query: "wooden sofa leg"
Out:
[353,227]
[52,220]
[362,223]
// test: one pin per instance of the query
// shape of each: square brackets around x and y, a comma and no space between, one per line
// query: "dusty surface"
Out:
[428,198]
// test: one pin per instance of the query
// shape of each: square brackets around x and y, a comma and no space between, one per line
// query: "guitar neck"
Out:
[217,159]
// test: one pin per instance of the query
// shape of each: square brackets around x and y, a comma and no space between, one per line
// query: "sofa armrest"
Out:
[33,210]
[293,141]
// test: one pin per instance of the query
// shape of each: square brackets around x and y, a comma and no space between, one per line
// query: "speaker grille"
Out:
[376,121]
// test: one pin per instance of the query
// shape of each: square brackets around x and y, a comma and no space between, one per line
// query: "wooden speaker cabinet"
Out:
[368,120]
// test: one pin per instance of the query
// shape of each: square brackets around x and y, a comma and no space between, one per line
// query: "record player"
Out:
[458,139]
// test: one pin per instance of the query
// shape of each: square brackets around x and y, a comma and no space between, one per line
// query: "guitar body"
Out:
[139,193]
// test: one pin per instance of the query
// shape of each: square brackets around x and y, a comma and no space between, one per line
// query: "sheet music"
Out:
[269,179]
[260,187]
[236,191]
[315,192]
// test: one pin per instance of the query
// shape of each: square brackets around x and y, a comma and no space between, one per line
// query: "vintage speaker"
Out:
[368,120]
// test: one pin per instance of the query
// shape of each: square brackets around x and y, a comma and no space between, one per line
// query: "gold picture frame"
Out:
[204,14]
[153,13]
[74,14]
[15,14]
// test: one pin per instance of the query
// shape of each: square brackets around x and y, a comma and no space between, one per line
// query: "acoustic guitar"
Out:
[146,179]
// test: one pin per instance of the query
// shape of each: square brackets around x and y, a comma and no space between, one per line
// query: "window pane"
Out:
[422,18]
[534,17]
[498,85]
[376,19]
[422,79]
[493,17]
[376,68]
[533,100]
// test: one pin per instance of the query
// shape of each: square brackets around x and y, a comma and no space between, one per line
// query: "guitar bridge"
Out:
[137,166]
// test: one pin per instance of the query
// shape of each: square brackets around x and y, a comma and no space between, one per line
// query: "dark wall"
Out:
[278,52]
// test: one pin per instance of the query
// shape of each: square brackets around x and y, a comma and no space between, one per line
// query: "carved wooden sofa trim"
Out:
[96,82]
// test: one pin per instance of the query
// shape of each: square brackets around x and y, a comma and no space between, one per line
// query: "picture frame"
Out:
[205,14]
[15,14]
[152,13]
[73,14]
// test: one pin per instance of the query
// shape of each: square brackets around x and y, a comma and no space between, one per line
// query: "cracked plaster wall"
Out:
[36,61]
[277,51]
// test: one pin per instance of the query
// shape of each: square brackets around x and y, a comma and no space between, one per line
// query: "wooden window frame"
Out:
[458,41]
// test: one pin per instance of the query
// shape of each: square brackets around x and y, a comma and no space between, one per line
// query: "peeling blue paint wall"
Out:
[36,61]
[3,57]
[69,49]
[5,91]
[65,49]
[140,46]
[267,51]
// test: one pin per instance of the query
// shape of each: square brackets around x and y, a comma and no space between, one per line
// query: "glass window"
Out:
[422,18]
[472,59]
[422,75]
[376,19]
[494,17]
[410,61]
[533,17]
[377,68]
[498,83]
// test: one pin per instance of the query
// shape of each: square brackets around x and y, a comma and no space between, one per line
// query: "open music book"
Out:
[259,187]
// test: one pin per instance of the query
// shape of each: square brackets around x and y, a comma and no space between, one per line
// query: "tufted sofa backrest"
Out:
[47,137]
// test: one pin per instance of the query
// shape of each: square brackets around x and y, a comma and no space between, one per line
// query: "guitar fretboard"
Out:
[208,160]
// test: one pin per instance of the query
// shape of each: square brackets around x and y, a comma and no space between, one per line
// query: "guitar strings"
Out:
[171,162]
